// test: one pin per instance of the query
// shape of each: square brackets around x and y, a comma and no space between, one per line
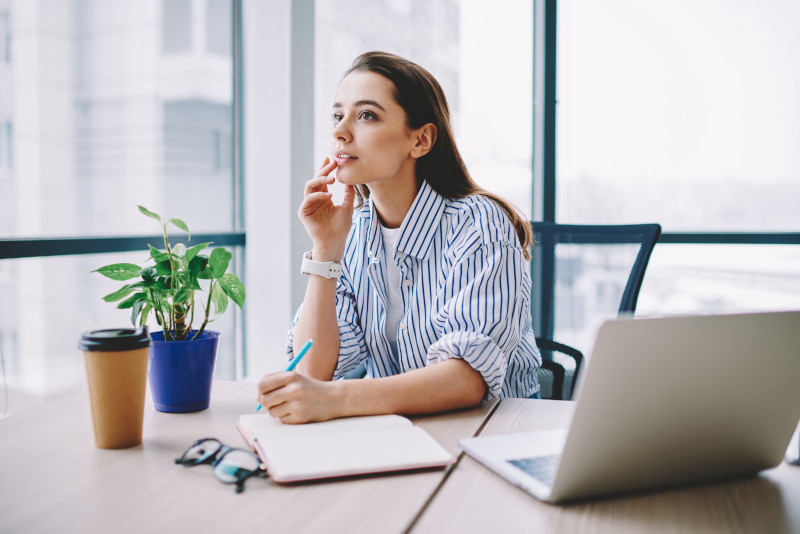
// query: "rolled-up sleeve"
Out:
[480,314]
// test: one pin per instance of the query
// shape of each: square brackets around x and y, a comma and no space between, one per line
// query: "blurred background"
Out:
[216,112]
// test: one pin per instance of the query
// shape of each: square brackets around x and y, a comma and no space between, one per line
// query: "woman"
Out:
[418,273]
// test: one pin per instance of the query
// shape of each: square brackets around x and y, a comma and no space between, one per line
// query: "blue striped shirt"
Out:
[465,289]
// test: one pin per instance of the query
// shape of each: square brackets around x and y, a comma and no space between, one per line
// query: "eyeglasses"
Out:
[230,465]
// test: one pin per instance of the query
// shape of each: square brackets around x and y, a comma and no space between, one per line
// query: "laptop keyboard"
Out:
[542,468]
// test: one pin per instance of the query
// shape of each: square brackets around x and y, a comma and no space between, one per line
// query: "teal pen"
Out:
[296,360]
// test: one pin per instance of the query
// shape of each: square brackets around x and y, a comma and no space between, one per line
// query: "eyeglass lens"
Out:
[235,465]
[231,466]
[203,451]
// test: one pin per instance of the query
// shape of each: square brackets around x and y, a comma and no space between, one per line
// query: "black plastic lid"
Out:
[115,339]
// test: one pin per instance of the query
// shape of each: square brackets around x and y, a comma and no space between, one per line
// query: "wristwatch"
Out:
[325,269]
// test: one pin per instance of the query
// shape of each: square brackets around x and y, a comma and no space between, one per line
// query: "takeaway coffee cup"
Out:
[116,369]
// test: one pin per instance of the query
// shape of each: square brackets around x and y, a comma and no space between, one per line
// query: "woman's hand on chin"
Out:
[326,223]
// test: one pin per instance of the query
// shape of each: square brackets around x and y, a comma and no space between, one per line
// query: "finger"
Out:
[279,410]
[293,413]
[317,197]
[325,162]
[326,169]
[318,183]
[271,402]
[273,382]
[321,180]
[314,202]
[349,196]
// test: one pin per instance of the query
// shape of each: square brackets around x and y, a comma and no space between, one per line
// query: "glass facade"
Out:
[676,111]
[685,114]
[104,106]
[668,112]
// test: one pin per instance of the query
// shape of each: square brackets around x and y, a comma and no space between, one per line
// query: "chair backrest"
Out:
[585,274]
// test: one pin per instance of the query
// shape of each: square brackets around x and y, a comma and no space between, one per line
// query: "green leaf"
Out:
[145,315]
[149,213]
[206,274]
[234,288]
[193,283]
[219,299]
[218,261]
[137,309]
[165,307]
[182,225]
[179,250]
[149,275]
[119,271]
[124,291]
[163,267]
[198,265]
[157,255]
[192,252]
[183,295]
[167,282]
[130,301]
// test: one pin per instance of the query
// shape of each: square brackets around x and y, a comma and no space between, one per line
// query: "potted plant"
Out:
[181,358]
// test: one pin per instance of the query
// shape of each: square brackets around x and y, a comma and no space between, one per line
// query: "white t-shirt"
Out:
[394,299]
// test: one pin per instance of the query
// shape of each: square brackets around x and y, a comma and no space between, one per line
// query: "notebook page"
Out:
[262,425]
[303,457]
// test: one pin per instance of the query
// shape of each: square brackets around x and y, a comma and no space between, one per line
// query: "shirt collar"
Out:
[419,226]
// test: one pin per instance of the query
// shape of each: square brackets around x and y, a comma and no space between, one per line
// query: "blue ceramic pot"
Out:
[181,372]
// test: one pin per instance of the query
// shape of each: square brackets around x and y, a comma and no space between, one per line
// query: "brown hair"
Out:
[422,98]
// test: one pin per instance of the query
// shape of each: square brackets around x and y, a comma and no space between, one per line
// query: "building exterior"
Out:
[103,106]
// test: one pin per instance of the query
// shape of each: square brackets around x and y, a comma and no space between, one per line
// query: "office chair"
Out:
[582,275]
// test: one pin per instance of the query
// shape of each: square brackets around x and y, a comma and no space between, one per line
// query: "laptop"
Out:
[663,402]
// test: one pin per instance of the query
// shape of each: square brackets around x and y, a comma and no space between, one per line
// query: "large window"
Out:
[685,114]
[674,112]
[107,111]
[681,112]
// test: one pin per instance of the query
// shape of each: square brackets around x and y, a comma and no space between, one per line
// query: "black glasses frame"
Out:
[215,455]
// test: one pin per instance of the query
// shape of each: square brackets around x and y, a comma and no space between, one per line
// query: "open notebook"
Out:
[341,447]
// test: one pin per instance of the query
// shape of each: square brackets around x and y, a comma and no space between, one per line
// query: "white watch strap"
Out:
[325,269]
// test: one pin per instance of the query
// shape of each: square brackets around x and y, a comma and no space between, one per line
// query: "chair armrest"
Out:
[559,374]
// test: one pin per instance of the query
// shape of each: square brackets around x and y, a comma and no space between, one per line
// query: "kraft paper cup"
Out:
[116,369]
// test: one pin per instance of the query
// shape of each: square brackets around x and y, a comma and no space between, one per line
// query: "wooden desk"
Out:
[53,479]
[476,500]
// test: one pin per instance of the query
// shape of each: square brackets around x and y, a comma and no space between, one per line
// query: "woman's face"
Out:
[372,143]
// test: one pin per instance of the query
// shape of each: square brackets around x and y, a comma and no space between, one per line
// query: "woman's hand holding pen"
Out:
[326,223]
[295,398]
